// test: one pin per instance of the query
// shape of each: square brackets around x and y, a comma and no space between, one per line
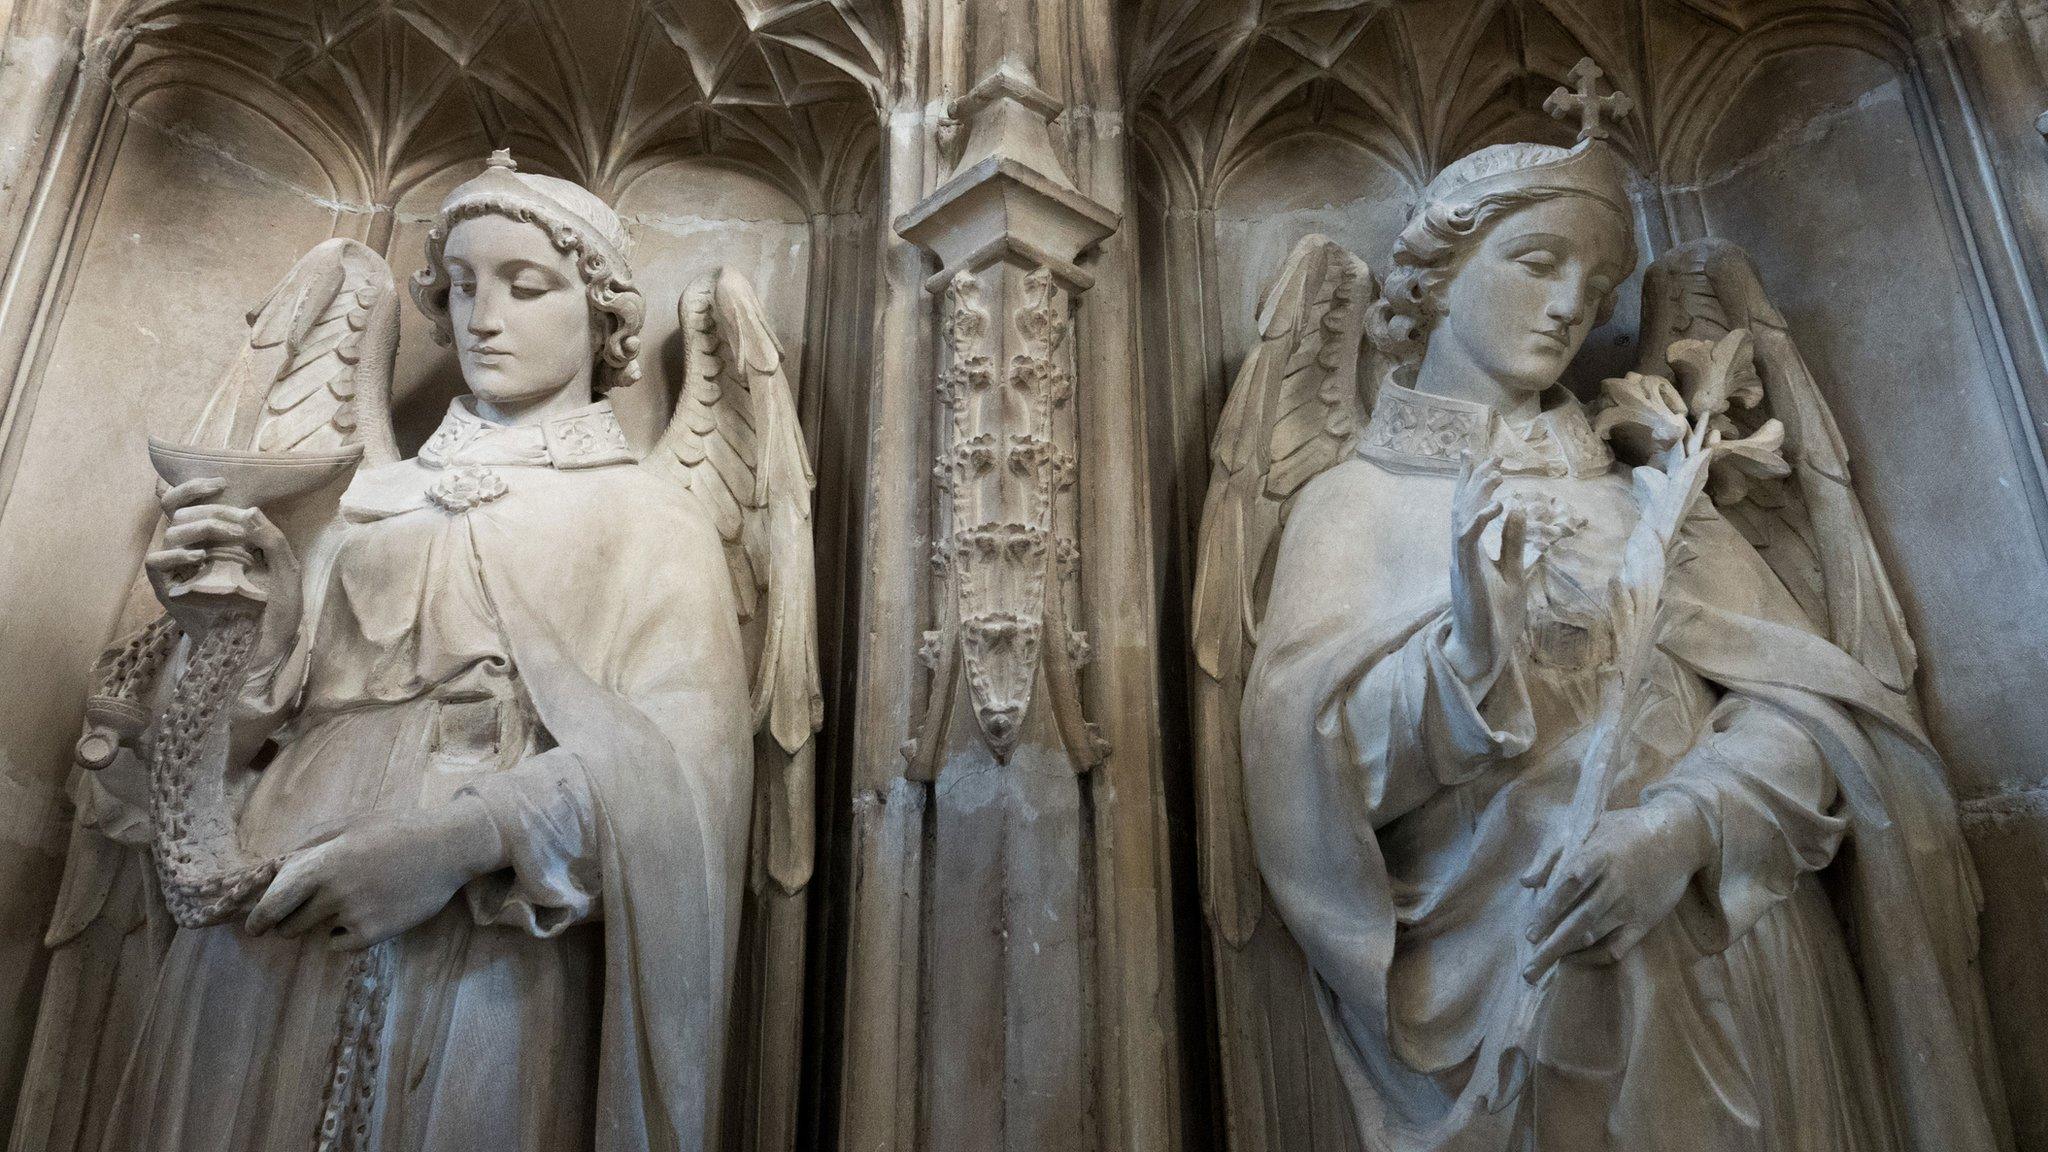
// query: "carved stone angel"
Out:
[1551,763]
[506,703]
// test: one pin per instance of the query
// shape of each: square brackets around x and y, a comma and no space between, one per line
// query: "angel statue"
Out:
[458,856]
[1577,752]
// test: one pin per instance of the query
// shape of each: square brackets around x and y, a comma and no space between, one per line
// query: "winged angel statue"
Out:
[456,828]
[1575,752]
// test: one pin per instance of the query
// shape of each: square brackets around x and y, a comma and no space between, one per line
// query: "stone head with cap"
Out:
[526,275]
[1513,253]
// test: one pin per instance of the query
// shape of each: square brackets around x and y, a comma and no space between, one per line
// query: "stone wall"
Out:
[162,183]
[1832,148]
[1147,166]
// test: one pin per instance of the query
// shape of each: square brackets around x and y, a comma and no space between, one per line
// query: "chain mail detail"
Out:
[351,1087]
[127,671]
[206,876]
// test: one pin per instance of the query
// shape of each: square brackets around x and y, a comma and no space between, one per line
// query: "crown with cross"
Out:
[1592,167]
[1597,113]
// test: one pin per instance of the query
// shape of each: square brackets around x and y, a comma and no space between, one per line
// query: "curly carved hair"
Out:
[1426,254]
[617,307]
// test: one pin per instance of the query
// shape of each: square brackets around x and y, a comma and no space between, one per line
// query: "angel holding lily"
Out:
[458,856]
[1569,742]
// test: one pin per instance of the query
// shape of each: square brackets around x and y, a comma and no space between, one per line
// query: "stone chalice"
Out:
[206,875]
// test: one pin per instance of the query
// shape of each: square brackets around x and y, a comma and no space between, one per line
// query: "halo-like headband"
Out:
[1592,169]
[564,208]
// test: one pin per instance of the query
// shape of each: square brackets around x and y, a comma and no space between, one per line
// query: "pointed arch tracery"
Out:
[1420,83]
[392,91]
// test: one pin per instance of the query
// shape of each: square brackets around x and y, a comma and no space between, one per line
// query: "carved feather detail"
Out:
[736,444]
[315,372]
[1808,527]
[1293,413]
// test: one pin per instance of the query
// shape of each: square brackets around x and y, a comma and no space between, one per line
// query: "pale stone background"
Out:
[1827,168]
[1881,167]
[204,205]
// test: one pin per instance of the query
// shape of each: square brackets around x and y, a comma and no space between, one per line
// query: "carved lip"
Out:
[254,479]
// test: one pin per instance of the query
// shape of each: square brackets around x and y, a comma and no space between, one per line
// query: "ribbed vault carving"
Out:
[389,91]
[1420,82]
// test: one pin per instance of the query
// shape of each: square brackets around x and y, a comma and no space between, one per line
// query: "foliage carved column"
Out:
[1009,980]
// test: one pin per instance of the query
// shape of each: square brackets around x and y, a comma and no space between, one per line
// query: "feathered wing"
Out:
[735,443]
[1809,526]
[315,373]
[1293,412]
[1811,530]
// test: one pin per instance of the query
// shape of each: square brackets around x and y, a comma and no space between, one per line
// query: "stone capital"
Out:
[1003,208]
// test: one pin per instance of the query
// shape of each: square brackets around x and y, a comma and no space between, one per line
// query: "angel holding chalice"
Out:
[1565,744]
[482,887]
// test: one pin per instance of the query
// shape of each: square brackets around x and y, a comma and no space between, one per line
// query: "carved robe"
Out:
[524,615]
[106,938]
[1395,807]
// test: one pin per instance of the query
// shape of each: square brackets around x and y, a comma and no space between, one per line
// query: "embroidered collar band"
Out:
[588,437]
[1415,431]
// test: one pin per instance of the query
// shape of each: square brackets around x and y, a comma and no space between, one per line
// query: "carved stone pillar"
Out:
[1003,738]
[58,125]
[1010,975]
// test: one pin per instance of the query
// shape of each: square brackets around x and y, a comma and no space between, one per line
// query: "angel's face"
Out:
[521,317]
[1521,300]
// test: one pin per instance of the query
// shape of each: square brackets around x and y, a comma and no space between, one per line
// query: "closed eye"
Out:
[1538,263]
[531,283]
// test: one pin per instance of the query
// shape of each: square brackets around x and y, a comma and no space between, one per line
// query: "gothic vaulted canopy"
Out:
[388,91]
[1420,82]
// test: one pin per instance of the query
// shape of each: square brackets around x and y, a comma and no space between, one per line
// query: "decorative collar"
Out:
[589,437]
[1415,431]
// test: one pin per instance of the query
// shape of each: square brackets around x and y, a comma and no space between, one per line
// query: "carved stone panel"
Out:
[1010,258]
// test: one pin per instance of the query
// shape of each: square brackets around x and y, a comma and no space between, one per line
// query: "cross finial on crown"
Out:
[502,158]
[1593,110]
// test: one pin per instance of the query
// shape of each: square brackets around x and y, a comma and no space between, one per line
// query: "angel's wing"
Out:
[1808,527]
[315,373]
[1293,412]
[735,442]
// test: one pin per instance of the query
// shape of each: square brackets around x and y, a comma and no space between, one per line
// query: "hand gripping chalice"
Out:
[205,873]
[287,420]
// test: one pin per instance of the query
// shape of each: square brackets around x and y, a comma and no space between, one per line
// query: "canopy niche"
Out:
[1010,941]
[195,149]
[1835,140]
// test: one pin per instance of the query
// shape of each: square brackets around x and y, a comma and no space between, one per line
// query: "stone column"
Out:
[1981,62]
[58,127]
[1009,984]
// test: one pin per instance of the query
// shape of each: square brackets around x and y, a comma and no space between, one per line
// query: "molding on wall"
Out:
[1012,143]
[2026,806]
[51,243]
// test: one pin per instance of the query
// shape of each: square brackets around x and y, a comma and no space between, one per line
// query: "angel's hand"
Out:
[1487,595]
[381,876]
[197,526]
[1599,901]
